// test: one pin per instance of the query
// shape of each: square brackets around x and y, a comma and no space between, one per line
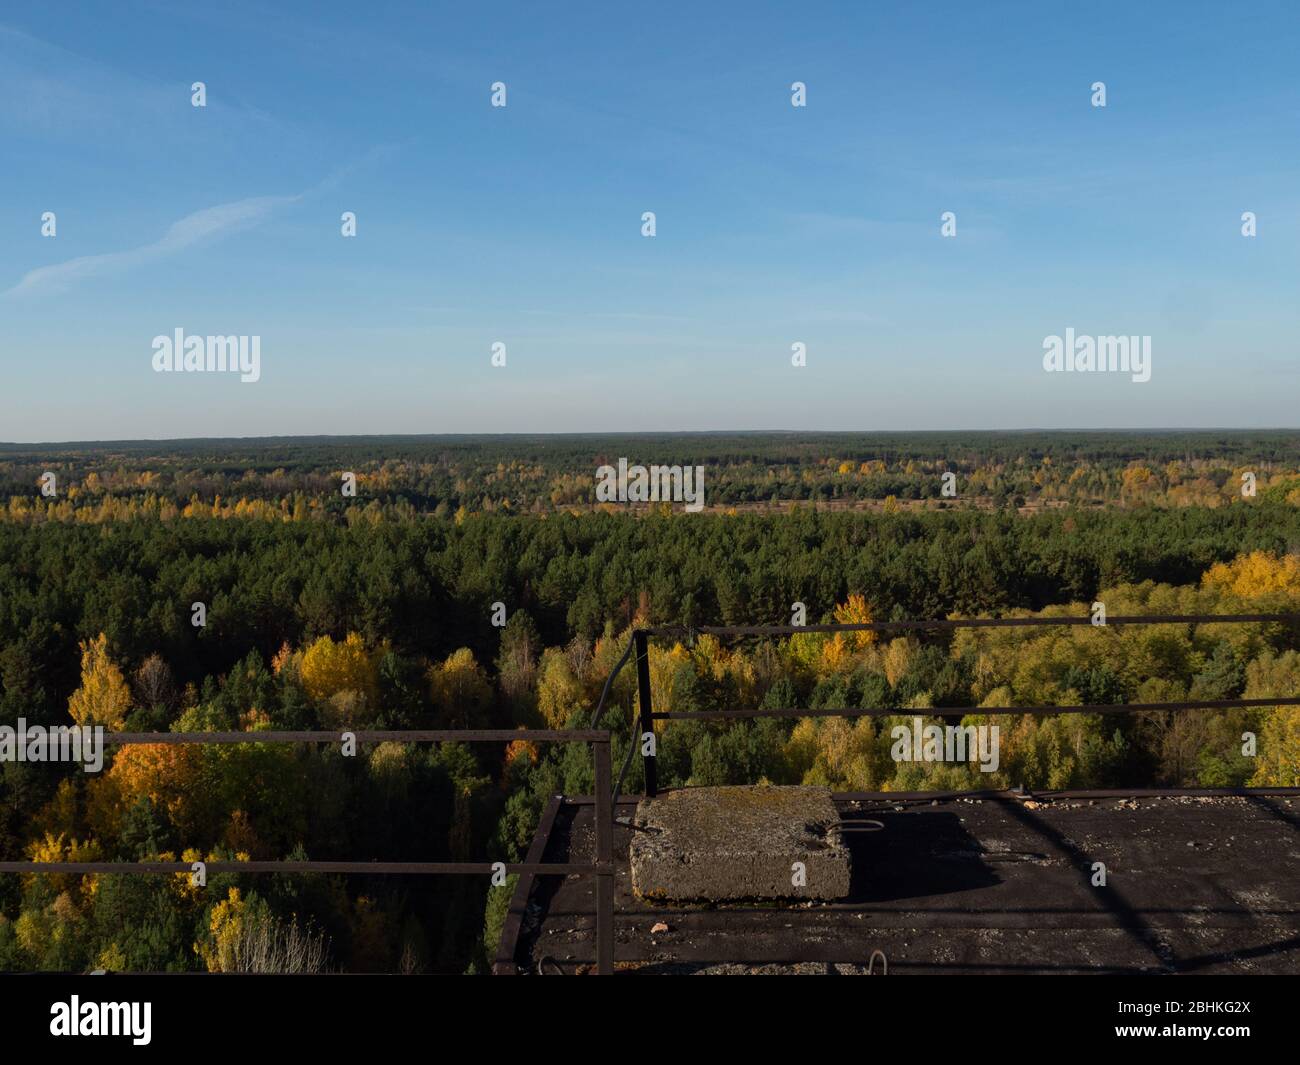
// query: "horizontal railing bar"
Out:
[1065,793]
[388,868]
[952,711]
[968,623]
[366,736]
[1012,793]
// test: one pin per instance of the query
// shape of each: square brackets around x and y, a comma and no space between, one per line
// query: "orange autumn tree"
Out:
[854,611]
[169,775]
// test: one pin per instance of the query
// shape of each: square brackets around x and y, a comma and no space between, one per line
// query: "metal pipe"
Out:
[604,811]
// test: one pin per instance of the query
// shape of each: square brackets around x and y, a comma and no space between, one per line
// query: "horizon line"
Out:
[280,438]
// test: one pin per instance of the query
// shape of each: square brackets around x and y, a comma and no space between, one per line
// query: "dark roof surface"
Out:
[967,886]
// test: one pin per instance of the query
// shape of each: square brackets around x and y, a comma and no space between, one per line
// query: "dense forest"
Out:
[450,474]
[322,611]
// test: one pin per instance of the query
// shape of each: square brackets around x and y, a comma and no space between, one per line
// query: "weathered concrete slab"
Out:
[739,843]
[973,887]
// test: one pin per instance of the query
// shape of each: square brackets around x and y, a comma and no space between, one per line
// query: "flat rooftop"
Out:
[959,885]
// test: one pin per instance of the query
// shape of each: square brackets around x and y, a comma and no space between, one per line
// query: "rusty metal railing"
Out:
[602,868]
[647,715]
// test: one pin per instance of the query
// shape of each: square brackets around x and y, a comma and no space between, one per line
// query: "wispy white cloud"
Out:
[56,95]
[192,229]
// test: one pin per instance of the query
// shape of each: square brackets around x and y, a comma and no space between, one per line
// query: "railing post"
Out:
[646,722]
[603,806]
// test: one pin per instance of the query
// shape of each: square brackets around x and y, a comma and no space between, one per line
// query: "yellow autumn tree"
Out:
[835,655]
[460,691]
[856,611]
[60,848]
[835,752]
[1136,481]
[244,936]
[1279,749]
[226,926]
[1255,574]
[328,668]
[55,935]
[104,697]
[559,691]
[1279,733]
[898,658]
[664,664]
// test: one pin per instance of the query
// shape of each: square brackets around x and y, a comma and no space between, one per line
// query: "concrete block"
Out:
[739,843]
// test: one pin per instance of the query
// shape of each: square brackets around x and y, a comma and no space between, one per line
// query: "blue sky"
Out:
[522,225]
